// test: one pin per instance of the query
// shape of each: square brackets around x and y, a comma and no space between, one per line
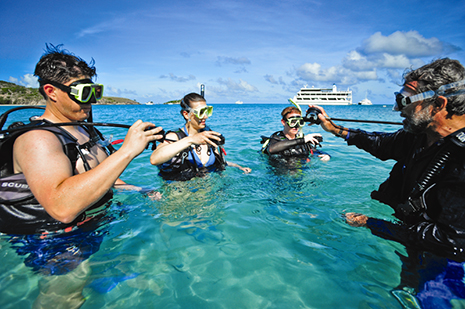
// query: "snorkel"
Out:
[300,133]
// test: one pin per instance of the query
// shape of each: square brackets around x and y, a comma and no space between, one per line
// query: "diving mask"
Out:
[295,122]
[448,90]
[202,112]
[80,91]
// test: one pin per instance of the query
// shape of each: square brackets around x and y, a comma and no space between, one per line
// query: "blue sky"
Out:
[254,51]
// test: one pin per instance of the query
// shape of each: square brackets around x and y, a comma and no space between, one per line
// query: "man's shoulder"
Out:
[37,133]
[37,138]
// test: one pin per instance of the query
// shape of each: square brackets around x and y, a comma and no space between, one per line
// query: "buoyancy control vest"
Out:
[20,212]
[184,166]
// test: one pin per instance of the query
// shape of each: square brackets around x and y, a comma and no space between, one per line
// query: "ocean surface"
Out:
[274,238]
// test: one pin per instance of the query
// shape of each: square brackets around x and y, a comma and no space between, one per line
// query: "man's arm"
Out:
[384,146]
[39,155]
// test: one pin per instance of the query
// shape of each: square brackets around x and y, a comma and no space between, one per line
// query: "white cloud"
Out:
[241,70]
[116,92]
[229,86]
[230,60]
[358,62]
[394,61]
[314,72]
[179,79]
[28,80]
[366,75]
[410,44]
[102,27]
[392,54]
[270,79]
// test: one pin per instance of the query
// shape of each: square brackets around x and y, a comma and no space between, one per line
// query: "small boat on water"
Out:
[239,102]
[365,101]
[323,96]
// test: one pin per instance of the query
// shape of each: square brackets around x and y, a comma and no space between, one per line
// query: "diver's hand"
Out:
[154,195]
[138,136]
[325,121]
[246,170]
[312,138]
[324,157]
[355,219]
[205,137]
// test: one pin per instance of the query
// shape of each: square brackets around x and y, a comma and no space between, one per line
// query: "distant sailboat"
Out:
[365,101]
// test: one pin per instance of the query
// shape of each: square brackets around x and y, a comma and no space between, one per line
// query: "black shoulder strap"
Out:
[7,140]
[96,137]
[180,133]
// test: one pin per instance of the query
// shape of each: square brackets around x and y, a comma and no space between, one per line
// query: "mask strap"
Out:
[443,90]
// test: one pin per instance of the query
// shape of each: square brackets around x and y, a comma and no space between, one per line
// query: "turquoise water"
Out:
[273,238]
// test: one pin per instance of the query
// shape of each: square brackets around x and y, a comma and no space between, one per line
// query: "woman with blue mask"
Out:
[194,149]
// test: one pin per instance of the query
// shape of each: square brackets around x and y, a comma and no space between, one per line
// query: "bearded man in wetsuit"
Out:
[426,187]
[68,171]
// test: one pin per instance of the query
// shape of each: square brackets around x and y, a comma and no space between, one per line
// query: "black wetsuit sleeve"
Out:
[423,236]
[276,146]
[383,146]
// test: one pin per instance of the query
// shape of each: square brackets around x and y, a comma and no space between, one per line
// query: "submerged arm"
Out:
[246,170]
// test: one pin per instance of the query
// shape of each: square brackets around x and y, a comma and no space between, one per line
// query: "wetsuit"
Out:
[439,226]
[186,164]
[278,145]
[20,212]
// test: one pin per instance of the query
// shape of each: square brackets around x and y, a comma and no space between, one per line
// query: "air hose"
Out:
[431,173]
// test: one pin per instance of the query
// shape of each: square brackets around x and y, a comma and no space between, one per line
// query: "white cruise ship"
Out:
[323,96]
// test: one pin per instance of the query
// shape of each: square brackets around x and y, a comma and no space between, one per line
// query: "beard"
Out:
[418,123]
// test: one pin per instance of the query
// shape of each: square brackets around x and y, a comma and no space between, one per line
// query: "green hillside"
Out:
[19,95]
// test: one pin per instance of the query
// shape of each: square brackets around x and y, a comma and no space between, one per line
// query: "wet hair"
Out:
[288,110]
[434,75]
[186,102]
[59,65]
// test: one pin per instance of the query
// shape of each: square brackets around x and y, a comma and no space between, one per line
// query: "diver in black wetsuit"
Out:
[426,187]
[291,142]
[194,149]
